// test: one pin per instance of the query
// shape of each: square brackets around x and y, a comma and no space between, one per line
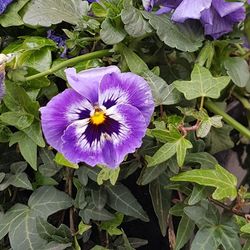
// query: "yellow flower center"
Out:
[98,117]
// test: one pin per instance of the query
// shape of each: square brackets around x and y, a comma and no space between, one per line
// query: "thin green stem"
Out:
[202,102]
[227,118]
[71,62]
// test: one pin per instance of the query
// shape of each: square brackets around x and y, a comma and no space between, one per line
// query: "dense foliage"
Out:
[191,58]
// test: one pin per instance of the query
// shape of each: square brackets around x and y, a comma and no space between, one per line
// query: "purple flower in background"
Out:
[4,4]
[2,89]
[102,118]
[216,16]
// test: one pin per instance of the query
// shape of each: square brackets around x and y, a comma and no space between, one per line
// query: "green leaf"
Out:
[11,17]
[237,69]
[20,180]
[27,148]
[48,200]
[202,84]
[61,160]
[224,182]
[134,23]
[90,212]
[82,228]
[99,198]
[40,60]
[161,202]
[121,200]
[184,232]
[34,132]
[5,133]
[181,148]
[207,124]
[149,174]
[49,167]
[20,120]
[22,228]
[48,12]
[180,36]
[163,93]
[205,159]
[111,33]
[48,232]
[111,226]
[11,216]
[162,155]
[245,228]
[177,144]
[205,240]
[134,62]
[17,99]
[198,193]
[219,139]
[108,174]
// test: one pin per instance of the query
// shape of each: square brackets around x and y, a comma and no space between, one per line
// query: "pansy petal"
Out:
[127,88]
[224,8]
[105,144]
[86,82]
[190,9]
[148,4]
[62,110]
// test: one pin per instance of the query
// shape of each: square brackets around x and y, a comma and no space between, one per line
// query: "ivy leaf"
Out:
[111,226]
[205,239]
[224,182]
[61,160]
[91,212]
[108,174]
[245,228]
[184,37]
[48,12]
[134,23]
[237,69]
[160,199]
[20,220]
[184,232]
[181,149]
[207,124]
[219,139]
[202,84]
[121,200]
[177,145]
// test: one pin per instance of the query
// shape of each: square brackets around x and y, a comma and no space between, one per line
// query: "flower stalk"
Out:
[71,62]
[211,106]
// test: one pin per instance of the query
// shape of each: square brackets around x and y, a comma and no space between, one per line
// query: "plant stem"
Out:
[202,103]
[69,178]
[227,118]
[71,62]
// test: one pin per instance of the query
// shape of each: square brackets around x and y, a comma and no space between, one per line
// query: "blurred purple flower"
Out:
[59,40]
[2,78]
[4,4]
[102,118]
[216,16]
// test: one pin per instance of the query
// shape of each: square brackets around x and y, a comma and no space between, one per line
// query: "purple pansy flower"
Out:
[216,16]
[102,118]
